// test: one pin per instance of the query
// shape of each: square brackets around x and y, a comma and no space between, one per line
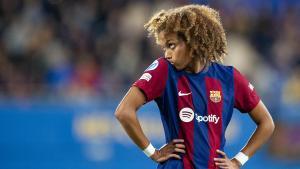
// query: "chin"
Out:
[178,68]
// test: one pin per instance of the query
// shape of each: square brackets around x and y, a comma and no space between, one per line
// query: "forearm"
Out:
[133,128]
[258,138]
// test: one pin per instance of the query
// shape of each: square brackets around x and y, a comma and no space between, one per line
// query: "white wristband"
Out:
[149,150]
[241,157]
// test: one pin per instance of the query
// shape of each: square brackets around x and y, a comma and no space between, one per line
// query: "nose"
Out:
[168,55]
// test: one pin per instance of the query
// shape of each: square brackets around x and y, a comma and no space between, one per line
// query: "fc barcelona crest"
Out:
[215,96]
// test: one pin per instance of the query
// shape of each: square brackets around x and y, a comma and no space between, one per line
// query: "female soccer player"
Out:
[195,94]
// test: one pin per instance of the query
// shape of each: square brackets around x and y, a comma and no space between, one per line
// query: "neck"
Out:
[195,66]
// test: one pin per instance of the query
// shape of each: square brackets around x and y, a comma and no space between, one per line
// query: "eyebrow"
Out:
[168,41]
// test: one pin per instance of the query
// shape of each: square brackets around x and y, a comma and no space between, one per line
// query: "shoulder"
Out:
[222,71]
[158,64]
[153,81]
[221,67]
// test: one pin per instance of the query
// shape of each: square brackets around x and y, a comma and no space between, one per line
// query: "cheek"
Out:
[181,60]
[183,55]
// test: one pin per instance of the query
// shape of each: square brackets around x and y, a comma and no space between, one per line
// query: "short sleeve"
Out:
[153,82]
[245,96]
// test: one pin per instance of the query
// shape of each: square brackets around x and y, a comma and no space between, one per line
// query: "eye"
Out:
[171,45]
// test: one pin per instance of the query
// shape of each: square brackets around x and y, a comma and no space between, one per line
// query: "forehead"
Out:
[163,37]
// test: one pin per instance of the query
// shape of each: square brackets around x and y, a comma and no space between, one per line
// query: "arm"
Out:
[126,114]
[265,127]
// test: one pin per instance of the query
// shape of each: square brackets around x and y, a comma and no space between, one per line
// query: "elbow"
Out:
[269,127]
[119,115]
[122,115]
[272,126]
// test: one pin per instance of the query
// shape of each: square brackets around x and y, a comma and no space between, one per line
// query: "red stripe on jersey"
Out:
[186,116]
[214,111]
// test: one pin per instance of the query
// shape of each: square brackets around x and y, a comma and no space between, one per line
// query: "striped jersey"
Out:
[196,107]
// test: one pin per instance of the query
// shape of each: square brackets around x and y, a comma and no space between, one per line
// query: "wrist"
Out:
[155,156]
[241,158]
[149,150]
[236,162]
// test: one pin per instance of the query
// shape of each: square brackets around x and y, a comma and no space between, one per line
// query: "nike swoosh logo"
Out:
[183,94]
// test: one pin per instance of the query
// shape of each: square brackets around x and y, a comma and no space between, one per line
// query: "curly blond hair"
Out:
[200,27]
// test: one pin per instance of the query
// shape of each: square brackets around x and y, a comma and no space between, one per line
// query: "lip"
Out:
[171,62]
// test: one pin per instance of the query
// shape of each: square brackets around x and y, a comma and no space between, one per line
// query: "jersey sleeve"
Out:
[153,82]
[245,96]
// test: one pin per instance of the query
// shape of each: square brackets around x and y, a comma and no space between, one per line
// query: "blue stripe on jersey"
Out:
[201,147]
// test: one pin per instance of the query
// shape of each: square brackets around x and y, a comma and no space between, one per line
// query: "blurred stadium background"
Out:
[65,64]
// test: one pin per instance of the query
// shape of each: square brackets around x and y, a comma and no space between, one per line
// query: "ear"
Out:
[192,52]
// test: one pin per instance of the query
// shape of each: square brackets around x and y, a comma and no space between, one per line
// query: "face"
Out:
[176,50]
